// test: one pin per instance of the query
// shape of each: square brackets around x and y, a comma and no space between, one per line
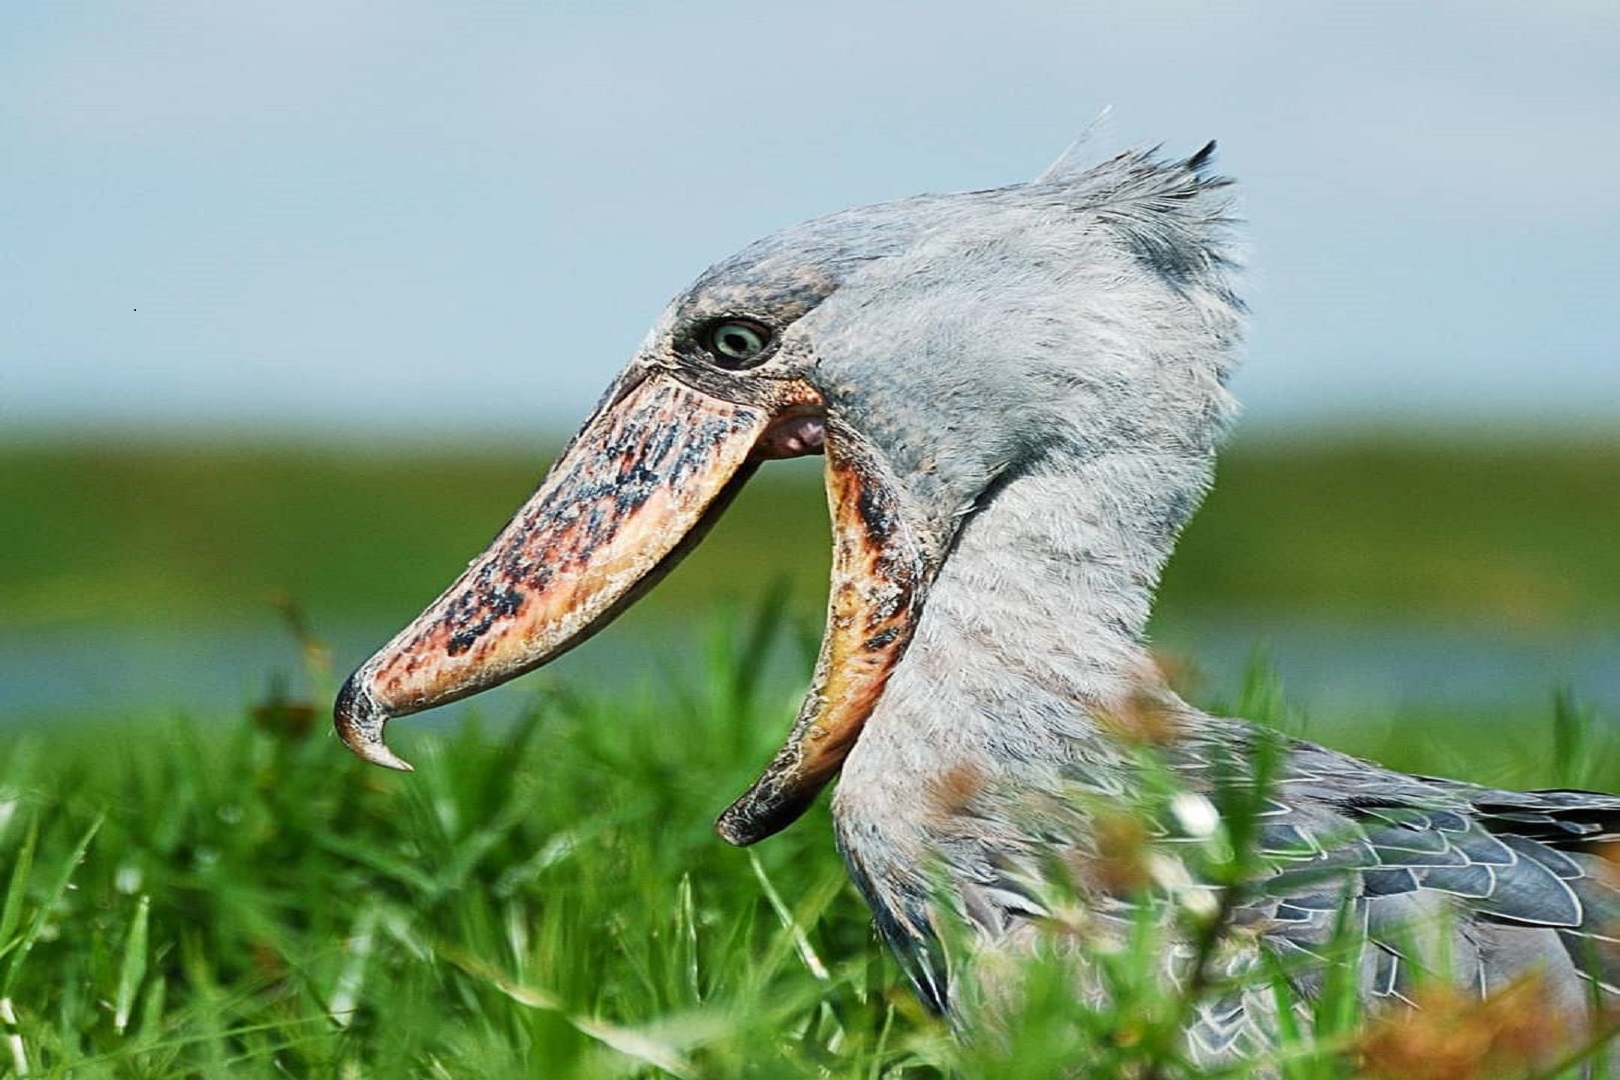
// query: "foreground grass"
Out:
[246,899]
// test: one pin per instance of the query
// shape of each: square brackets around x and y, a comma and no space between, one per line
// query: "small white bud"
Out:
[1199,902]
[128,879]
[1168,872]
[1197,815]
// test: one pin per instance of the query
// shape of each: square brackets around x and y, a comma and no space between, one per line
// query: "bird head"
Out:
[931,348]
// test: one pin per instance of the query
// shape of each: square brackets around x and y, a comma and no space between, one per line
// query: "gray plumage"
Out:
[1042,370]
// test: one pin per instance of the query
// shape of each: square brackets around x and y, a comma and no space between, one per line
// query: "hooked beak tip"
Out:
[360,721]
[731,834]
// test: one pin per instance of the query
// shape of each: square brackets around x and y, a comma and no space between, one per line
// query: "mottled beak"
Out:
[881,568]
[634,490]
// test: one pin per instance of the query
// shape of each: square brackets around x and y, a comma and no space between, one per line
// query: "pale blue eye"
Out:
[736,343]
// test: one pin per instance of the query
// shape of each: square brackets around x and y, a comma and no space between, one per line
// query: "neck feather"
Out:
[1033,632]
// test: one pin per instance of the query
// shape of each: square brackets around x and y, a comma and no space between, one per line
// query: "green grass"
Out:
[252,901]
[222,898]
[1521,533]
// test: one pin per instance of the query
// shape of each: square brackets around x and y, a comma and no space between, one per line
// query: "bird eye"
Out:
[737,343]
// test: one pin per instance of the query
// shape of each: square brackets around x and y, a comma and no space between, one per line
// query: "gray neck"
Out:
[1032,633]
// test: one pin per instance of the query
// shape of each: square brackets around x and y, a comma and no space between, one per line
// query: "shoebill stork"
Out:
[1019,394]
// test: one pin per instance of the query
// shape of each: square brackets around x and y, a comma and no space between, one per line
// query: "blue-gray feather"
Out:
[1040,371]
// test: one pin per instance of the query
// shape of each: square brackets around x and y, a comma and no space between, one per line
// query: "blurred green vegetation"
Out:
[1516,531]
[1501,528]
[137,532]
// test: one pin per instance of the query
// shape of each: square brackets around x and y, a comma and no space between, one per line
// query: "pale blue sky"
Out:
[461,217]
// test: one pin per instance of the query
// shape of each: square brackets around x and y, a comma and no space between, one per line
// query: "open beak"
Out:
[636,489]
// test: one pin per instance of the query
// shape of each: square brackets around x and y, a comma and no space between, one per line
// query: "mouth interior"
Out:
[794,435]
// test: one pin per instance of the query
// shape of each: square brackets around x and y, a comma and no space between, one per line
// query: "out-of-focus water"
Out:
[1336,672]
[1346,671]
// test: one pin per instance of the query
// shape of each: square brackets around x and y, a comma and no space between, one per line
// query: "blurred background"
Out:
[301,296]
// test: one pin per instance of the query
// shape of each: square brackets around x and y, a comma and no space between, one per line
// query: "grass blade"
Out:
[53,896]
[801,941]
[17,889]
[132,968]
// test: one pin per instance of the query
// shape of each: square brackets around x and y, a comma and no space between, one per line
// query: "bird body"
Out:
[1020,393]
